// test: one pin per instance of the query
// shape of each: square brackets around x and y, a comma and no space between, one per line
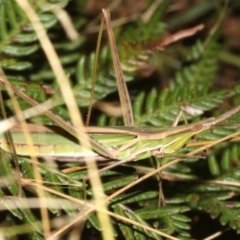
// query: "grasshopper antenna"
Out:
[94,72]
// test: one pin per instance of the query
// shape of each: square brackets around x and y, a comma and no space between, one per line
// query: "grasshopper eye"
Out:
[198,127]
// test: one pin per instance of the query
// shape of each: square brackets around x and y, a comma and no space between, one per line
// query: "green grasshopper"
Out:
[123,143]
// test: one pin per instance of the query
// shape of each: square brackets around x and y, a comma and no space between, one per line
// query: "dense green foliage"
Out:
[191,67]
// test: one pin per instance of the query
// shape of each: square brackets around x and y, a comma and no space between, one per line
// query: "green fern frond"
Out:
[17,39]
[216,207]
